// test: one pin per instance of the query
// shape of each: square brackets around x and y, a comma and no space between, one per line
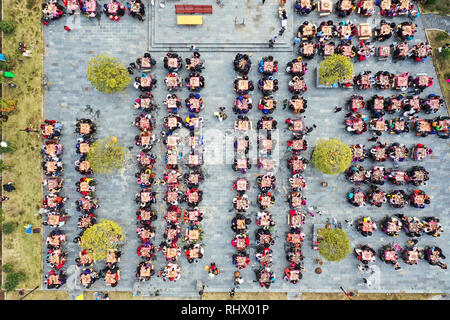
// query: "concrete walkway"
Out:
[435,21]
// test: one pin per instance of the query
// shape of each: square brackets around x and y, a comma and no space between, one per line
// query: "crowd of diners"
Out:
[113,9]
[87,205]
[328,38]
[243,104]
[266,182]
[393,225]
[321,38]
[366,8]
[173,178]
[383,80]
[378,175]
[394,253]
[417,175]
[145,177]
[52,210]
[297,143]
[407,107]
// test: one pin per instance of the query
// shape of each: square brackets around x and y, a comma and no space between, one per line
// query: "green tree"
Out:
[107,74]
[106,155]
[101,237]
[334,244]
[331,156]
[334,69]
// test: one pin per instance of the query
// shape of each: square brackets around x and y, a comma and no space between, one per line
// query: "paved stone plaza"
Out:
[66,58]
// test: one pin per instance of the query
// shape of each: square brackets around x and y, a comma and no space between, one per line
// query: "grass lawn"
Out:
[441,7]
[245,296]
[113,295]
[442,65]
[368,296]
[40,295]
[24,251]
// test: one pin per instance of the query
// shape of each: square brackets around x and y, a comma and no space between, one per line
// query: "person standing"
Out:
[272,41]
[367,282]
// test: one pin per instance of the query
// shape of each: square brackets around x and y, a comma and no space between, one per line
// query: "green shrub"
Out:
[12,280]
[445,53]
[334,244]
[331,156]
[7,268]
[6,149]
[5,66]
[7,26]
[9,227]
[442,36]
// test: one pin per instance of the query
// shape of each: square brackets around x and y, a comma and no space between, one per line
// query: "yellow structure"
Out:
[189,20]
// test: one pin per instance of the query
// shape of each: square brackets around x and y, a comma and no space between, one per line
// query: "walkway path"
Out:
[435,21]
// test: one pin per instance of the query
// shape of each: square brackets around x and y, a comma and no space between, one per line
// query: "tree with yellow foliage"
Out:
[331,156]
[106,155]
[102,237]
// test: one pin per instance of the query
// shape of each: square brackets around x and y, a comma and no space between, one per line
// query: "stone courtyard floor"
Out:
[67,55]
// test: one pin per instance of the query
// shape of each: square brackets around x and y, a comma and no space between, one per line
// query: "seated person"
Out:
[376,196]
[359,152]
[345,7]
[114,10]
[268,66]
[304,7]
[431,104]
[83,166]
[239,224]
[397,198]
[146,251]
[136,9]
[55,279]
[296,67]
[194,63]
[172,62]
[144,271]
[242,63]
[241,260]
[356,197]
[145,102]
